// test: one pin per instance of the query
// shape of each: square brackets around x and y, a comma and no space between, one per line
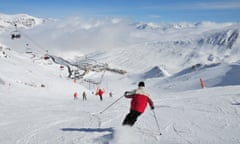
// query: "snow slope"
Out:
[37,104]
[35,114]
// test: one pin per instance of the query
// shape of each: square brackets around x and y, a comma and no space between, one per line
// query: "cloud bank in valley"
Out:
[78,35]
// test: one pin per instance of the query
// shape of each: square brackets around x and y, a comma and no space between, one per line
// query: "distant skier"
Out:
[110,94]
[84,95]
[75,95]
[140,99]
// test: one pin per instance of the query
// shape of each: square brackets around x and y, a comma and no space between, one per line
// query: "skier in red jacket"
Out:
[140,99]
[100,92]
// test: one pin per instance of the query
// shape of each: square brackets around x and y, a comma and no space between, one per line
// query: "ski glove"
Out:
[126,93]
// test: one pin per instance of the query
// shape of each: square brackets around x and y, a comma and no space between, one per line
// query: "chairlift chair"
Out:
[15,35]
[28,50]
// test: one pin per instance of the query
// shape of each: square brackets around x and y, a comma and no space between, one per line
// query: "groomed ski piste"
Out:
[37,104]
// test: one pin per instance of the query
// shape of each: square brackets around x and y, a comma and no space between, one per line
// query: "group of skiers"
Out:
[84,96]
[99,92]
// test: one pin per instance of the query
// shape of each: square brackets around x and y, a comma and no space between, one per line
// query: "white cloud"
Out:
[218,5]
[82,35]
[195,5]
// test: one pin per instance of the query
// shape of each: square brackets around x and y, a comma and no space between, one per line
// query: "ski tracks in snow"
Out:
[74,130]
[221,114]
[32,136]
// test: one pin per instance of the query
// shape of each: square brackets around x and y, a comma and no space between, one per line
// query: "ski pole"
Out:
[155,117]
[111,104]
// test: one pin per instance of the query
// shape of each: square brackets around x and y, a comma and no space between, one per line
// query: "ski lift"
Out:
[76,74]
[15,34]
[46,57]
[28,50]
[61,67]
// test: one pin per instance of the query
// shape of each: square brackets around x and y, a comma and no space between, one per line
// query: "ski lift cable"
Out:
[99,82]
[101,79]
[27,48]
[16,29]
[37,44]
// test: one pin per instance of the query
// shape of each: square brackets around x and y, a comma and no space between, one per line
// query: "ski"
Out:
[148,131]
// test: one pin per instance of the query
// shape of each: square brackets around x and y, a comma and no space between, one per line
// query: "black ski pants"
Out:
[131,118]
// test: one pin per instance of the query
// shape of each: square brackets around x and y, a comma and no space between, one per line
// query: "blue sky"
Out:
[136,10]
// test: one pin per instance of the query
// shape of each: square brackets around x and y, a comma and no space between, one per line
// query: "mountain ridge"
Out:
[26,21]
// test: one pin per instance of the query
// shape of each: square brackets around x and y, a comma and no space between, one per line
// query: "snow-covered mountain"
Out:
[37,86]
[180,25]
[174,47]
[7,22]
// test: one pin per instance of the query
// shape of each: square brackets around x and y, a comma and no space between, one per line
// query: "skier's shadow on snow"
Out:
[105,138]
[236,103]
[111,130]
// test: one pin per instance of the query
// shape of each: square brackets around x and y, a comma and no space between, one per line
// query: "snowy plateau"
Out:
[55,58]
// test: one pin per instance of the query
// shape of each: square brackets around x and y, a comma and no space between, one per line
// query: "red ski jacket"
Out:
[140,99]
[100,92]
